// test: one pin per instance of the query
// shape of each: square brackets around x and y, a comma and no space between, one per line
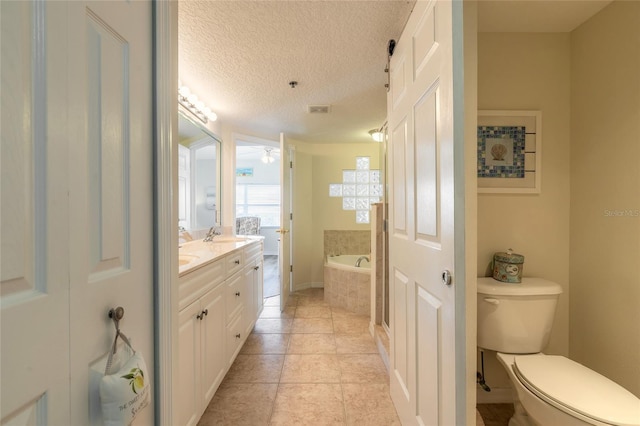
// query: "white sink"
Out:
[185,259]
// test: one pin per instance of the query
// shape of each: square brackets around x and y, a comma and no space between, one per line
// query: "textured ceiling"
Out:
[239,56]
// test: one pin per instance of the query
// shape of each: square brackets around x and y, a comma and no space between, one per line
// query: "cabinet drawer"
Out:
[233,294]
[252,252]
[234,262]
[235,337]
[195,284]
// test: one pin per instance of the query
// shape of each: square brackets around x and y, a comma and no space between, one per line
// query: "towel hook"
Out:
[116,315]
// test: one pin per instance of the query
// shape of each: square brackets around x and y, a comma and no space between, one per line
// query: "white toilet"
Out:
[515,320]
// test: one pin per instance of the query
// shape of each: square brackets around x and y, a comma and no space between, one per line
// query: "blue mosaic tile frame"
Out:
[514,137]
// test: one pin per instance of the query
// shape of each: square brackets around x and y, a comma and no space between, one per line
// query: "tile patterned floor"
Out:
[495,414]
[310,365]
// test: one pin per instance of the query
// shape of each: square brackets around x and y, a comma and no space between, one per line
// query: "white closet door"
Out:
[421,234]
[76,201]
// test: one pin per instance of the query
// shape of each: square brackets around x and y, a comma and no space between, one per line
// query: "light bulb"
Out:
[192,98]
[376,135]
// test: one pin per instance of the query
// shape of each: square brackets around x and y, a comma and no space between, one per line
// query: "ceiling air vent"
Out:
[318,109]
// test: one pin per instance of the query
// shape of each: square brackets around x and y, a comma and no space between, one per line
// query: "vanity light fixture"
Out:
[376,135]
[195,106]
[267,158]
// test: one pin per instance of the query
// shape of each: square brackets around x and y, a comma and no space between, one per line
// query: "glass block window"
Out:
[359,189]
[348,190]
[362,163]
[349,176]
[348,203]
[335,190]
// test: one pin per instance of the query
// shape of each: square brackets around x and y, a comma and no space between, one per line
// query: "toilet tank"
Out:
[516,318]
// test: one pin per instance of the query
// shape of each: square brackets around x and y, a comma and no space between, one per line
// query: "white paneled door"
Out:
[421,234]
[284,254]
[76,201]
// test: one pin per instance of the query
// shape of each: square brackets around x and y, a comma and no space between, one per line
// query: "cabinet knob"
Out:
[238,336]
[205,312]
[237,293]
[200,316]
[256,268]
[237,262]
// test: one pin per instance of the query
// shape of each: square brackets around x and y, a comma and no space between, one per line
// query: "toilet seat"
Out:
[561,382]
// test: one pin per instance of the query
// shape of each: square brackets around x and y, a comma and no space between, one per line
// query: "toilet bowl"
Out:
[515,321]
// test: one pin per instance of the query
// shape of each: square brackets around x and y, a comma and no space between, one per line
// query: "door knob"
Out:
[446,277]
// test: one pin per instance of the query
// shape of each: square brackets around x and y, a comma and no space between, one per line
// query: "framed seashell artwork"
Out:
[509,151]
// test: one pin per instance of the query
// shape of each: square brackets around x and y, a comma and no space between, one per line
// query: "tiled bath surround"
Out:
[346,242]
[347,289]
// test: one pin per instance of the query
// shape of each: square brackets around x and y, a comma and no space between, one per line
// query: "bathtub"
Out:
[347,286]
[347,262]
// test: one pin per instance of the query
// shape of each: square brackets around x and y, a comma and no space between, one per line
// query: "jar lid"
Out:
[508,257]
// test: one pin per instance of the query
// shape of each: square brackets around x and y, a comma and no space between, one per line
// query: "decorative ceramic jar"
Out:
[507,267]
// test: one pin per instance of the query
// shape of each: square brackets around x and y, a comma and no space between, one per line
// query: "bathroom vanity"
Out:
[220,293]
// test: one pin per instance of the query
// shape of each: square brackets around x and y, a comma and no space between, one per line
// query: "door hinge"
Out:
[291,164]
[290,216]
[385,225]
[290,268]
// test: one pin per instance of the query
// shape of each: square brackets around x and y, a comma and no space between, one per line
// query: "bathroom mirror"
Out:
[198,175]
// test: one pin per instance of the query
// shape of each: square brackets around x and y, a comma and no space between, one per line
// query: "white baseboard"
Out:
[496,396]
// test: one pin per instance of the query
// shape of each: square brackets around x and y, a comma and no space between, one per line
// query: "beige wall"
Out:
[328,162]
[605,155]
[316,166]
[530,72]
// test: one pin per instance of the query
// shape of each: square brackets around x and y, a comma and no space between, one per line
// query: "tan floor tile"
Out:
[308,404]
[356,344]
[258,343]
[312,325]
[350,324]
[303,343]
[272,325]
[255,369]
[292,301]
[362,368]
[240,404]
[310,292]
[313,311]
[310,369]
[311,297]
[274,312]
[369,404]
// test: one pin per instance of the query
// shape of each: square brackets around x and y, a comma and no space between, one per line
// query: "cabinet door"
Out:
[258,285]
[235,337]
[212,332]
[189,365]
[248,299]
[235,290]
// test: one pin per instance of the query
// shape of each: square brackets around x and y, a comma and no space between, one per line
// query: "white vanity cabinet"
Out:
[218,309]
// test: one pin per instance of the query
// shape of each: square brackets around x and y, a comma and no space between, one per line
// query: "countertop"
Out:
[201,253]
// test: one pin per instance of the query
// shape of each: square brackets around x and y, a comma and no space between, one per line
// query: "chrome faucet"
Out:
[214,231]
[360,259]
